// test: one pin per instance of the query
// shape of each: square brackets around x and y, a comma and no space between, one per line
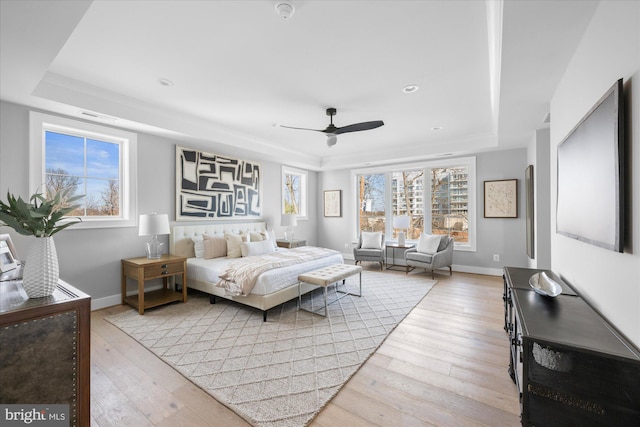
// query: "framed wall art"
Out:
[210,186]
[501,198]
[7,239]
[333,203]
[7,262]
[528,180]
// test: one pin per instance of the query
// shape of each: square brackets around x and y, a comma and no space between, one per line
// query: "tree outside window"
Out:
[372,202]
[408,199]
[96,161]
[294,187]
[85,166]
[291,194]
[436,197]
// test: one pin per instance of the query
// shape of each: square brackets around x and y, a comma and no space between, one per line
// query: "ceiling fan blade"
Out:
[291,127]
[356,127]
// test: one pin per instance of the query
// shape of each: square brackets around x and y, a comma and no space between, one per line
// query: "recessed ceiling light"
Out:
[410,88]
[435,128]
[165,82]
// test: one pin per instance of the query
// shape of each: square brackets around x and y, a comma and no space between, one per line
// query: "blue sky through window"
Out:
[91,163]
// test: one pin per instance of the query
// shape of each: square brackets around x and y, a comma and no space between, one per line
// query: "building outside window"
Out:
[408,199]
[438,197]
[449,203]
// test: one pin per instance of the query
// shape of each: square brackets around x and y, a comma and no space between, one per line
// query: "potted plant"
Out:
[42,217]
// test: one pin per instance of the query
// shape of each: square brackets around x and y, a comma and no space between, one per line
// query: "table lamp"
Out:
[401,222]
[152,225]
[290,221]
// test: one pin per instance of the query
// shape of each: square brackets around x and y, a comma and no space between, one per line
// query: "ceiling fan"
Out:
[333,131]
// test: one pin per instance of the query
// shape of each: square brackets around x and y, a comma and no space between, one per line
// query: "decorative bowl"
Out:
[544,285]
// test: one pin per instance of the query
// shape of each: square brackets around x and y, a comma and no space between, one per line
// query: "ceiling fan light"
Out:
[331,140]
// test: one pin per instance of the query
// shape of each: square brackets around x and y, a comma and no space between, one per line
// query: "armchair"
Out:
[370,248]
[443,257]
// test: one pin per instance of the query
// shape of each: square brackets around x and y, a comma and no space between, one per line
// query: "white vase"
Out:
[41,271]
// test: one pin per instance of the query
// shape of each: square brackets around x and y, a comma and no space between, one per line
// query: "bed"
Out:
[272,288]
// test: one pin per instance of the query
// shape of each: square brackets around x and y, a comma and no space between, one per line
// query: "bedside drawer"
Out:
[165,269]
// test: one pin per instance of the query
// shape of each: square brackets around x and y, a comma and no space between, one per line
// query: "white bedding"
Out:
[206,270]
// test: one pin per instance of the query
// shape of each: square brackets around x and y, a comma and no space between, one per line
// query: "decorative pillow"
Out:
[198,246]
[371,240]
[443,242]
[256,248]
[271,236]
[233,245]
[256,237]
[215,246]
[428,244]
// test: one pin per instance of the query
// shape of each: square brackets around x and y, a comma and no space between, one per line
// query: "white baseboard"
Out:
[478,270]
[110,301]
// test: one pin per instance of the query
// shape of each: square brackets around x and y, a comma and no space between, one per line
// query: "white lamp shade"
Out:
[401,221]
[289,220]
[153,224]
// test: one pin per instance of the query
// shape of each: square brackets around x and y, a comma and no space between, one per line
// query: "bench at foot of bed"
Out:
[327,276]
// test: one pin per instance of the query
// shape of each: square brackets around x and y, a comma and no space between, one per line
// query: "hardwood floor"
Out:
[445,364]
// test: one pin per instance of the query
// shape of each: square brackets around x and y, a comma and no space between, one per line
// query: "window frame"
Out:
[39,123]
[468,162]
[304,183]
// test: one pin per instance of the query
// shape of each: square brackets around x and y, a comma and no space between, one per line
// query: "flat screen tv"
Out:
[590,205]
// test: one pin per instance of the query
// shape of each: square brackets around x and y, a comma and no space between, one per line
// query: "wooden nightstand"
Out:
[142,269]
[289,244]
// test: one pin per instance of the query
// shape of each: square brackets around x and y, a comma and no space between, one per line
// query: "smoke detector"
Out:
[284,10]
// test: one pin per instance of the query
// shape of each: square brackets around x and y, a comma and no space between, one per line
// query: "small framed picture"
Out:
[501,198]
[7,262]
[333,203]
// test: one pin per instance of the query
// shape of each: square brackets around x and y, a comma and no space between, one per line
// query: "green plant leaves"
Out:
[41,216]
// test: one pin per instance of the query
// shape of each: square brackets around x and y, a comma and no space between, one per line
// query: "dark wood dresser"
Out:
[45,349]
[570,365]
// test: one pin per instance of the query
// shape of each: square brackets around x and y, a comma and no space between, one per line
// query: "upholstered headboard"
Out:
[180,242]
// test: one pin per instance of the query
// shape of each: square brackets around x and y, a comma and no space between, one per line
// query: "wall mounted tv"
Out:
[590,205]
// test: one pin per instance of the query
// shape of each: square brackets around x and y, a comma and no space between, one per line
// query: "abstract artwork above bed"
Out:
[211,186]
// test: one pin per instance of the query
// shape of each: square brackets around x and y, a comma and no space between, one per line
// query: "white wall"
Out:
[90,258]
[505,237]
[609,50]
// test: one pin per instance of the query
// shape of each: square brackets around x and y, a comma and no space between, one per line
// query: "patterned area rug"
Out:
[284,371]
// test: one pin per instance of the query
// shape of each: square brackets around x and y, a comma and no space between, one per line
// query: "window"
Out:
[408,199]
[294,192]
[438,197]
[450,203]
[372,212]
[93,160]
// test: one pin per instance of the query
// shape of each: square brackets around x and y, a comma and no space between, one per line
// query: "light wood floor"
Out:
[445,364]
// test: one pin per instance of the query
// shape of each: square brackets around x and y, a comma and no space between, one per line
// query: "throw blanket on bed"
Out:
[239,277]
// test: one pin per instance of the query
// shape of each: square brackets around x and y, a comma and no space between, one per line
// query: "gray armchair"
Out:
[369,253]
[442,258]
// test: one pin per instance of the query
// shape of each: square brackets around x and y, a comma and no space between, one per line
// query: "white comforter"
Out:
[208,270]
[239,277]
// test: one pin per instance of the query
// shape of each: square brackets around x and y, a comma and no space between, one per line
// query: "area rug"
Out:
[284,371]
